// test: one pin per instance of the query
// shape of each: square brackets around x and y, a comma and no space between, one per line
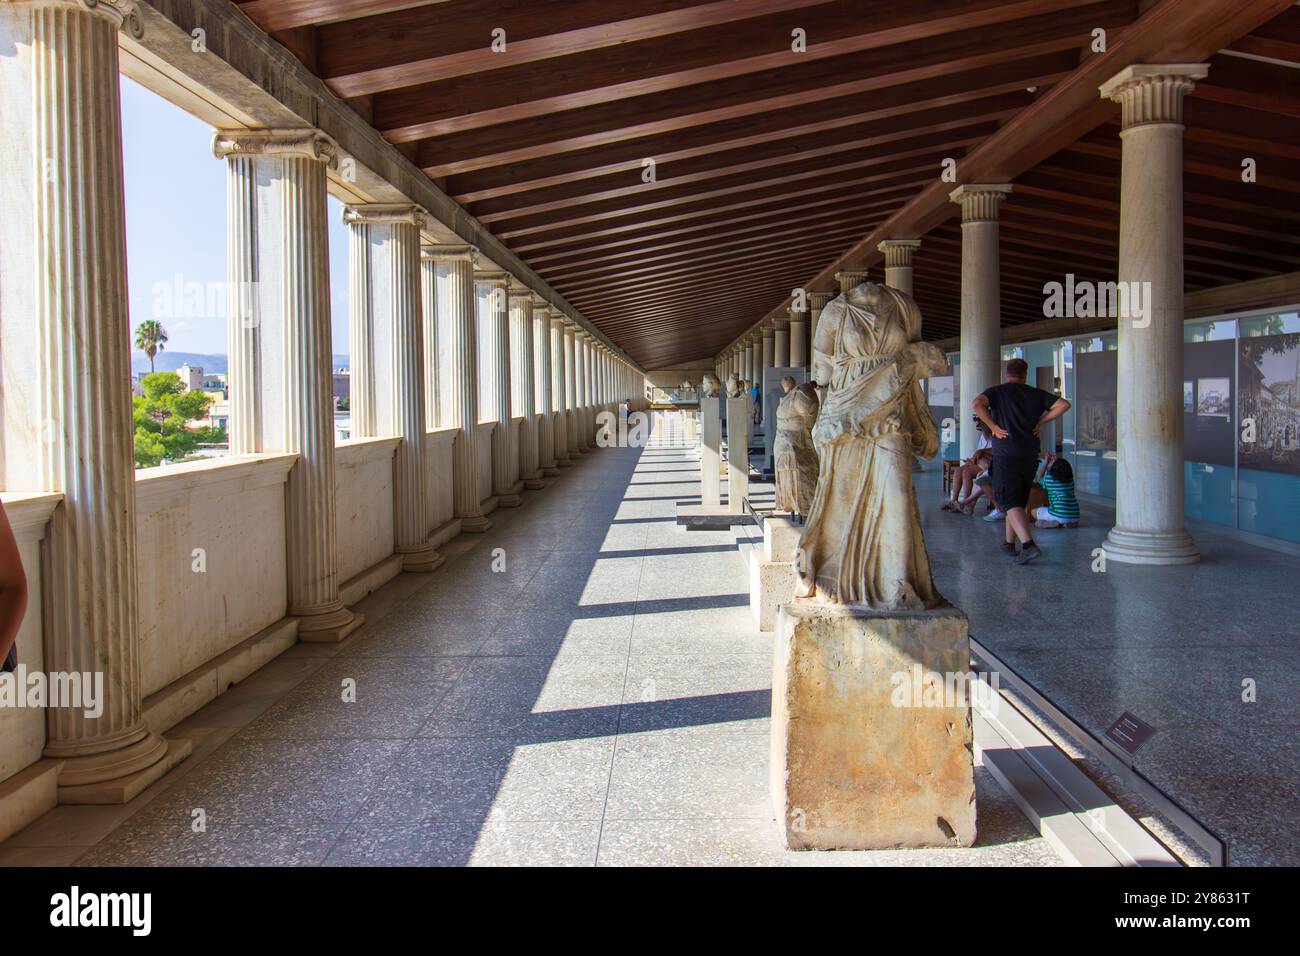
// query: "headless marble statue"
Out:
[796,457]
[862,543]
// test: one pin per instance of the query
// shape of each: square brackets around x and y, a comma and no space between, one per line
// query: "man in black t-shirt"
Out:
[1014,412]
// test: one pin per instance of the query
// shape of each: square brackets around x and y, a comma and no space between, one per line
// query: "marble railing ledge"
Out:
[174,485]
[353,450]
[29,512]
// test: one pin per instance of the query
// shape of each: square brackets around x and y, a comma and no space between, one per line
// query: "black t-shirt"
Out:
[1017,407]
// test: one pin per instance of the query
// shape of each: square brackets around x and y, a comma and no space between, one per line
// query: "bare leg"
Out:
[1018,523]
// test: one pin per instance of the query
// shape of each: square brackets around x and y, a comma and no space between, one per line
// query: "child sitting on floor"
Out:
[1062,508]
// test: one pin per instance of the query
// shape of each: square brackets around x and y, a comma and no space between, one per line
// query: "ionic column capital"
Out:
[898,252]
[385,214]
[307,143]
[492,278]
[850,279]
[1153,93]
[450,253]
[768,330]
[817,301]
[124,14]
[980,201]
[517,292]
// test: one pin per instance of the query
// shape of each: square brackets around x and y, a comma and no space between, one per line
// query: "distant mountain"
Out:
[168,361]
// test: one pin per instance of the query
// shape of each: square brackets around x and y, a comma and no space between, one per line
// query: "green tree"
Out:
[150,338]
[162,420]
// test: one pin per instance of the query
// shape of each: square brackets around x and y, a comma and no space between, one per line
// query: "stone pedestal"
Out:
[772,573]
[739,423]
[710,451]
[867,752]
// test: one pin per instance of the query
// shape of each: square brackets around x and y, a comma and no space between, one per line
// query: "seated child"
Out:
[1062,508]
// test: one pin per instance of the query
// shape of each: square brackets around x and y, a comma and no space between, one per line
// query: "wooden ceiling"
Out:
[770,165]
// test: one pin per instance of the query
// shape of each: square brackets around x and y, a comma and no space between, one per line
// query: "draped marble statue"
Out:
[862,543]
[711,386]
[796,457]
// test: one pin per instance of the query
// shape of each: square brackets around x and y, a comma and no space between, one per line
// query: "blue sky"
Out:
[176,222]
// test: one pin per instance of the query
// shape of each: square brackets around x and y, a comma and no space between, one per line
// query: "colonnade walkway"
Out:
[1173,645]
[604,698]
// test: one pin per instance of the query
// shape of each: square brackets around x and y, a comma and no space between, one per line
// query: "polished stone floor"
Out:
[603,699]
[1174,645]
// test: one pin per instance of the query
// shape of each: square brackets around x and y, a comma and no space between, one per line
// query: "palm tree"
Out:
[150,337]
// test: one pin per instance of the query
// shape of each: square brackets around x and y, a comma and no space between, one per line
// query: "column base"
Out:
[550,471]
[422,561]
[328,625]
[508,499]
[1129,546]
[474,524]
[564,462]
[119,776]
[535,483]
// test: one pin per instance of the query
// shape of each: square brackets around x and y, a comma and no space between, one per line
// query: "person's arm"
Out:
[13,587]
[1059,408]
[981,407]
[1047,460]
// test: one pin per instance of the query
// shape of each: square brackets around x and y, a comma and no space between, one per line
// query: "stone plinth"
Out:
[772,576]
[710,451]
[739,424]
[866,754]
[780,537]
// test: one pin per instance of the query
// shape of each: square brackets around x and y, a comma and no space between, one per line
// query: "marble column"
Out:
[65,394]
[389,234]
[455,281]
[781,344]
[769,346]
[543,398]
[572,427]
[521,320]
[756,357]
[279,348]
[503,482]
[560,389]
[1149,499]
[898,262]
[981,302]
[429,310]
[580,388]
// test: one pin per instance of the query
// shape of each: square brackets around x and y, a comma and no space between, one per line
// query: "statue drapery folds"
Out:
[863,543]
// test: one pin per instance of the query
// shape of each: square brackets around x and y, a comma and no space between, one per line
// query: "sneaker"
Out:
[1029,552]
[1048,523]
[1009,548]
[995,515]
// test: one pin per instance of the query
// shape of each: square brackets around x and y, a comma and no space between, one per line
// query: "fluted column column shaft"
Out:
[67,371]
[429,310]
[503,484]
[455,282]
[544,399]
[361,334]
[559,392]
[393,241]
[521,318]
[570,390]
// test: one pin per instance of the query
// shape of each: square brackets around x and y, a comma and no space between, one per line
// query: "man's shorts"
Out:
[1012,478]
